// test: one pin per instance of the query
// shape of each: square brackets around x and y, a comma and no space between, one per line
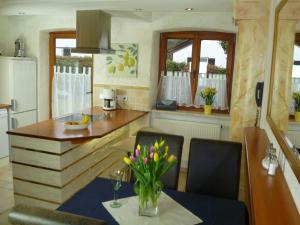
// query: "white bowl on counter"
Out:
[76,127]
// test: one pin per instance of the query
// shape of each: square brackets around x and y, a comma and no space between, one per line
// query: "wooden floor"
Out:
[6,184]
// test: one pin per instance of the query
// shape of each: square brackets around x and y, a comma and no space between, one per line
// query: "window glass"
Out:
[296,66]
[213,57]
[64,56]
[179,55]
[191,61]
[72,80]
[295,75]
[212,72]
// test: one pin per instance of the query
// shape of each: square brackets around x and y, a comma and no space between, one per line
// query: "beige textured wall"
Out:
[283,73]
[249,68]
[250,58]
[138,97]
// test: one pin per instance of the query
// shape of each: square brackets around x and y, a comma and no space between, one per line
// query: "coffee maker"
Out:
[109,99]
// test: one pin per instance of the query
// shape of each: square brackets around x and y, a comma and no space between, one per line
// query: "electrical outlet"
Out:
[122,97]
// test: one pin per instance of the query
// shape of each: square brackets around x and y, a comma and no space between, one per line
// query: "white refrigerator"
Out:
[18,87]
[4,149]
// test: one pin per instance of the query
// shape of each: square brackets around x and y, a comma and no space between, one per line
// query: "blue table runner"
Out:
[213,211]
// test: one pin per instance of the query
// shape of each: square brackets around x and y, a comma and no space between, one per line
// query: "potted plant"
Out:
[149,164]
[296,97]
[208,95]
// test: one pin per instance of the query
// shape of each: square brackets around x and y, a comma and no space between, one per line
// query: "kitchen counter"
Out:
[4,106]
[54,129]
[50,164]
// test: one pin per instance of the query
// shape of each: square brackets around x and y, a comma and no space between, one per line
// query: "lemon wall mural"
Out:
[124,62]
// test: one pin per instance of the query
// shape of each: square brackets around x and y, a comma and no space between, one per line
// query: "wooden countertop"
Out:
[270,199]
[54,130]
[4,106]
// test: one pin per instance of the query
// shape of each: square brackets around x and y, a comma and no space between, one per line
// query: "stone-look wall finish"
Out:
[249,68]
[283,73]
[138,97]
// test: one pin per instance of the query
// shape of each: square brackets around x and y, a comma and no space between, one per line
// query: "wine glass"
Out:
[116,178]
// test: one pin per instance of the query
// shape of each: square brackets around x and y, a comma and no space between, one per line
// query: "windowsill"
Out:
[194,113]
[293,125]
[218,118]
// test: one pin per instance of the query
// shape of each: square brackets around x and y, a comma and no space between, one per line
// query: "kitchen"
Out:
[131,24]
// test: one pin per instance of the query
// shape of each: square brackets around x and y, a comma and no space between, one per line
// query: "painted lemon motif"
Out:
[111,69]
[120,67]
[126,56]
[131,62]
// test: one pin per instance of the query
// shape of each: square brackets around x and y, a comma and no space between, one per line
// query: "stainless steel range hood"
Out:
[93,29]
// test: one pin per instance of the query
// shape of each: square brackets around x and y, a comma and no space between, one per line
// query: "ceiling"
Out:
[38,7]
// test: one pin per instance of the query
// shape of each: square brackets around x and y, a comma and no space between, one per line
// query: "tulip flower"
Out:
[171,158]
[156,157]
[132,158]
[156,145]
[167,149]
[139,147]
[161,143]
[137,152]
[127,160]
[151,149]
[145,160]
[151,155]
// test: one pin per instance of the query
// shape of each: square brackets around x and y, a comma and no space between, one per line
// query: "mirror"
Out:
[284,96]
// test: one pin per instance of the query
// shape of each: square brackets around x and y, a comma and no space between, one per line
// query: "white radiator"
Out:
[294,137]
[188,130]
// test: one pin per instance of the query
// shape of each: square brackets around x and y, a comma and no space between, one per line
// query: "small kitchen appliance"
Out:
[19,48]
[109,99]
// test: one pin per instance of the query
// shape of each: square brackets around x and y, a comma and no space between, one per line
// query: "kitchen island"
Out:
[50,164]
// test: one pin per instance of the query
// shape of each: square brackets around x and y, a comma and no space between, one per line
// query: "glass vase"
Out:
[148,202]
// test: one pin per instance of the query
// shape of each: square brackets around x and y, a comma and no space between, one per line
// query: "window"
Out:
[191,61]
[70,76]
[295,72]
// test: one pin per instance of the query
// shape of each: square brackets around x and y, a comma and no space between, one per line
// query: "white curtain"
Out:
[217,81]
[295,88]
[69,91]
[176,86]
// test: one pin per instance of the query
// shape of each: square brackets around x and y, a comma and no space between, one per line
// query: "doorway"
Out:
[71,76]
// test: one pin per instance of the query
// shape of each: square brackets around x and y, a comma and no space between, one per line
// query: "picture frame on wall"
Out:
[124,63]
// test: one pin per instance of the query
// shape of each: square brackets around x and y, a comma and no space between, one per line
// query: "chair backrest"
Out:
[214,168]
[175,143]
[30,215]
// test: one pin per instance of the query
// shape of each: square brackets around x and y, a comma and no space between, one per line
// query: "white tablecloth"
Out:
[170,212]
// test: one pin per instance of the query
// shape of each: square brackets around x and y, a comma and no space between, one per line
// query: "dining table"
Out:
[211,210]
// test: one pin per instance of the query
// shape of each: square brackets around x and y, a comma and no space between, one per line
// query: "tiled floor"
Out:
[6,185]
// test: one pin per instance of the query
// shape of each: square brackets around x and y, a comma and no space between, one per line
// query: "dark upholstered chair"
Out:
[214,168]
[29,215]
[175,143]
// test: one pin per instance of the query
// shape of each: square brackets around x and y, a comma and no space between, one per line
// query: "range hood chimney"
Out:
[93,32]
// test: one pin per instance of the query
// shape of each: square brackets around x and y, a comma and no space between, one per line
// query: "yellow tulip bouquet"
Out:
[208,95]
[296,97]
[149,164]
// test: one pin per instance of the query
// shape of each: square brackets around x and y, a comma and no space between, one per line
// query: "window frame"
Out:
[52,58]
[297,40]
[52,55]
[197,37]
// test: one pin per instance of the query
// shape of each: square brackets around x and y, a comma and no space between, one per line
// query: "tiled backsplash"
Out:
[138,97]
